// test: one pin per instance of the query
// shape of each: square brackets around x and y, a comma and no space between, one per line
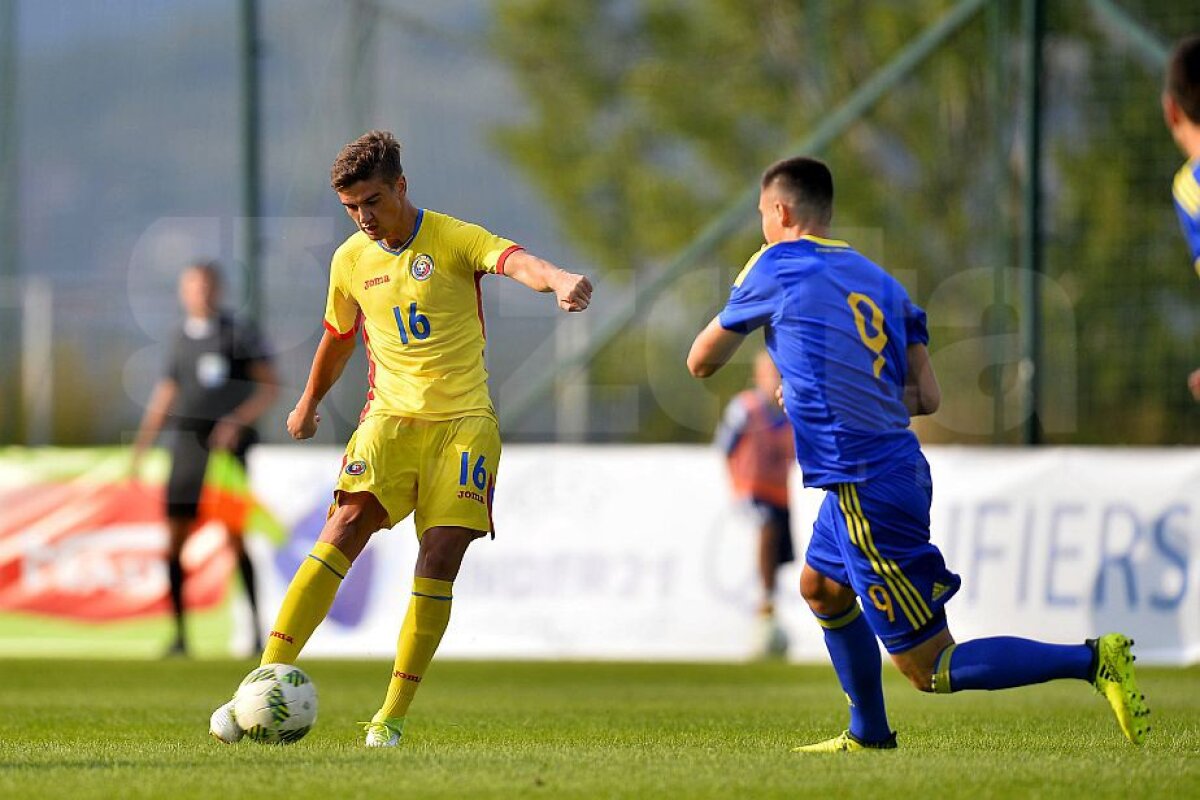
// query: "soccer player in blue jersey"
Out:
[1181,109]
[851,347]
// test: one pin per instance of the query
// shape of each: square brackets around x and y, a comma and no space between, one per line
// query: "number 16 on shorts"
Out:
[475,473]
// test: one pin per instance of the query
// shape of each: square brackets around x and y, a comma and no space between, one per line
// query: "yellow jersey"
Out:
[420,310]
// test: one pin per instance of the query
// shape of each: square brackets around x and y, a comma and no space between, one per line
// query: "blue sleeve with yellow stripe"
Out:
[755,297]
[1187,203]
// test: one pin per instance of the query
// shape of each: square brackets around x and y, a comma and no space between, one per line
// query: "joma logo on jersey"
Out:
[422,267]
[376,281]
[467,494]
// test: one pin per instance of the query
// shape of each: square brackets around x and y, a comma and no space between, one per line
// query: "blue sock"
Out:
[1003,662]
[856,659]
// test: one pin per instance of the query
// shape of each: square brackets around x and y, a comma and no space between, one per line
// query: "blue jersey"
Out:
[1187,203]
[838,328]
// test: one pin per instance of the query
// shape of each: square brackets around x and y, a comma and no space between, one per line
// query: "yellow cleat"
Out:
[1115,680]
[384,732]
[846,742]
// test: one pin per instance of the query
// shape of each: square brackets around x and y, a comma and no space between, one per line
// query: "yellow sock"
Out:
[424,623]
[308,598]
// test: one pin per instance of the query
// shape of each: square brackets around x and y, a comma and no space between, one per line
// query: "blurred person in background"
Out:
[756,438]
[219,382]
[1181,109]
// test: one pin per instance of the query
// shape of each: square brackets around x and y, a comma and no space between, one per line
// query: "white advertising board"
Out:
[638,552]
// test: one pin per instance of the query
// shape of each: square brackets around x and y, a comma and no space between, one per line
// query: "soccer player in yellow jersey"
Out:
[427,440]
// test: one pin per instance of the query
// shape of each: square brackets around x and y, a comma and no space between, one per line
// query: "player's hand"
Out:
[1194,384]
[225,434]
[303,421]
[574,292]
[779,395]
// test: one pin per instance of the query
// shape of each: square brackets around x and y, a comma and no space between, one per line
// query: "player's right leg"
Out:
[349,527]
[312,590]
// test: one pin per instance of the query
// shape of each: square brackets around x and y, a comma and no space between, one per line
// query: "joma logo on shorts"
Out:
[282,635]
[376,281]
[466,494]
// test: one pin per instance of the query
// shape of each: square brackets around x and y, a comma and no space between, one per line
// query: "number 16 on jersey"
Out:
[418,324]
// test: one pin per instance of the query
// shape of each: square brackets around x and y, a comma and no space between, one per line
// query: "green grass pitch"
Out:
[83,729]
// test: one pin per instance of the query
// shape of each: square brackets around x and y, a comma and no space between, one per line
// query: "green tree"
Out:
[645,115]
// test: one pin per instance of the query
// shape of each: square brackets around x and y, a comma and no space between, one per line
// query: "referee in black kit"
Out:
[219,381]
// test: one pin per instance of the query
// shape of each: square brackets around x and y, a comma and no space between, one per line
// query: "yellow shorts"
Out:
[445,471]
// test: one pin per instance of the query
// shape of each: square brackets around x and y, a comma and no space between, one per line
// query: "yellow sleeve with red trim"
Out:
[342,314]
[480,249]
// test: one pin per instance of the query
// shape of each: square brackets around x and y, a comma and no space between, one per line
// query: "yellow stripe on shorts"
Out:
[921,607]
[854,526]
[887,570]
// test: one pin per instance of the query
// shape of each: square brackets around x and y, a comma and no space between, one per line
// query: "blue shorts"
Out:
[873,536]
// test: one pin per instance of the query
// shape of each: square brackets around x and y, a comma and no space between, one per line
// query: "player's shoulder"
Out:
[1186,187]
[441,231]
[760,257]
[349,251]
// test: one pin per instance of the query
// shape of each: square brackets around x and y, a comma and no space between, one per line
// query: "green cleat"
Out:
[1115,680]
[847,742]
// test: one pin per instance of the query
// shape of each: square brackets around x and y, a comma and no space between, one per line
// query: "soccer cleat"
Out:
[847,742]
[1115,680]
[384,733]
[223,725]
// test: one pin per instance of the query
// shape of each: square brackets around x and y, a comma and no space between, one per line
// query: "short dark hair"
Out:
[808,185]
[1183,77]
[375,154]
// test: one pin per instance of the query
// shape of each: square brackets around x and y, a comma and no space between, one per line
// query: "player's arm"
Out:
[332,354]
[229,429]
[713,348]
[161,400]
[573,292]
[922,395]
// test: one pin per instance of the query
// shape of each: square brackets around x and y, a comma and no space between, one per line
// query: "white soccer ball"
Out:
[276,704]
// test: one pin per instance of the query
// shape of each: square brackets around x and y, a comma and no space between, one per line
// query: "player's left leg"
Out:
[998,662]
[849,638]
[438,561]
[458,465]
[1004,662]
